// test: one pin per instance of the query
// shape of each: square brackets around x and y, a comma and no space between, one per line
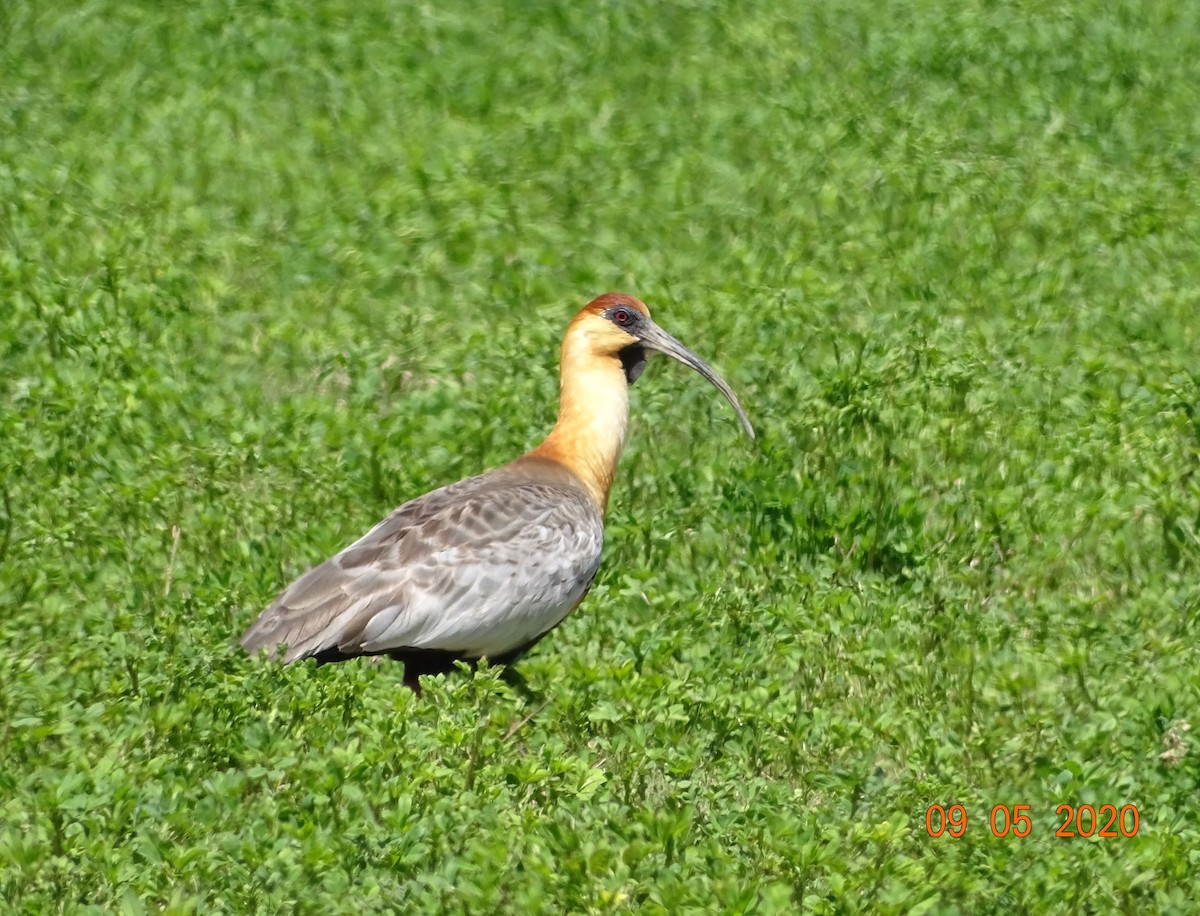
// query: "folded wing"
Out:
[478,568]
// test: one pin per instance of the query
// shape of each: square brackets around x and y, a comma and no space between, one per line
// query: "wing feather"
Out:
[480,567]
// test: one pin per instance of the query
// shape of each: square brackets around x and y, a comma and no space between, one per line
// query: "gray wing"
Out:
[480,567]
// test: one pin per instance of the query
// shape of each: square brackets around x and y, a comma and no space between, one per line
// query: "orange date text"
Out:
[1014,820]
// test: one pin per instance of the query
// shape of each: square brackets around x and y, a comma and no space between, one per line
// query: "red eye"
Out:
[620,316]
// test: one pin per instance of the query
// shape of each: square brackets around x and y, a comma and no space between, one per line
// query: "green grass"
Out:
[267,270]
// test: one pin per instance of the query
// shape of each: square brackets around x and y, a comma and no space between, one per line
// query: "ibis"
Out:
[484,568]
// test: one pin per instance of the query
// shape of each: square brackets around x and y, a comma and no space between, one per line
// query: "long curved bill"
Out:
[655,338]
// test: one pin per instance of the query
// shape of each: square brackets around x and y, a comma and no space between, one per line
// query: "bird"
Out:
[487,566]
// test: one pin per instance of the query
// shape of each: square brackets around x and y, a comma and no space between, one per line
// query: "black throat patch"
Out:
[633,361]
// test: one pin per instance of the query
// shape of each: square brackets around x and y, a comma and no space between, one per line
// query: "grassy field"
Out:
[269,269]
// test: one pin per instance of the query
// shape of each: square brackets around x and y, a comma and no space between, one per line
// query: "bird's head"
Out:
[617,325]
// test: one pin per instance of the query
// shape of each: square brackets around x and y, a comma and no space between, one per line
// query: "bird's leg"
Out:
[511,676]
[411,680]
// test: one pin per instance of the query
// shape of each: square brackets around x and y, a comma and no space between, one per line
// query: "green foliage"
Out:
[269,269]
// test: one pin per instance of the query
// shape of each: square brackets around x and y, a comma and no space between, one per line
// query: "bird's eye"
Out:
[622,317]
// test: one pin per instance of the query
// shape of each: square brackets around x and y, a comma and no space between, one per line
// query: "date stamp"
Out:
[1076,821]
